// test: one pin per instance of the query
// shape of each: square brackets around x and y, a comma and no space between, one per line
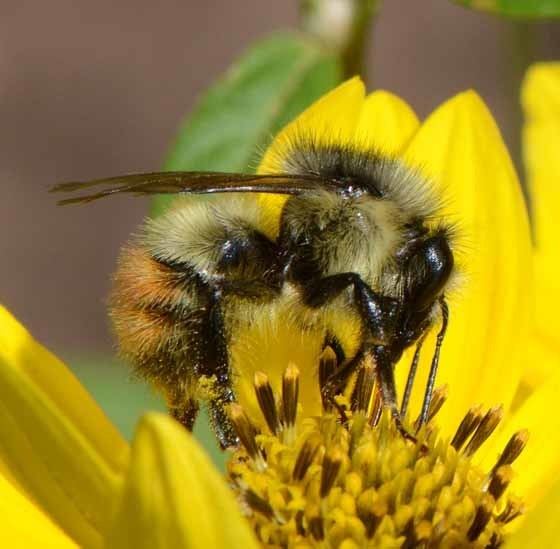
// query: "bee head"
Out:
[427,268]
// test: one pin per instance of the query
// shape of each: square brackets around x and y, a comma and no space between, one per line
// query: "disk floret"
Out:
[349,478]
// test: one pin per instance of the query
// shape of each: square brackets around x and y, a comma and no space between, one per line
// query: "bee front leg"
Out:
[385,364]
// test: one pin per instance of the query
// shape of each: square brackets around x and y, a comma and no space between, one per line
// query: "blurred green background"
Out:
[124,399]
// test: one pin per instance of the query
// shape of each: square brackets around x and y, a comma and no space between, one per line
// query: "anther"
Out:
[439,396]
[468,425]
[265,397]
[500,481]
[485,429]
[290,390]
[514,508]
[438,400]
[327,367]
[373,517]
[316,525]
[363,389]
[305,457]
[245,430]
[376,410]
[258,504]
[299,523]
[331,466]
[481,518]
[409,533]
[513,448]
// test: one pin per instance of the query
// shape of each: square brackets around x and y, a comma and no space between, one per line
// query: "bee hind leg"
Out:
[186,413]
[386,382]
[214,364]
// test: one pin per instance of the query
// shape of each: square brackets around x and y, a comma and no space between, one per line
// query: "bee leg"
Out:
[186,413]
[386,379]
[214,364]
[378,312]
[435,362]
[412,375]
[335,383]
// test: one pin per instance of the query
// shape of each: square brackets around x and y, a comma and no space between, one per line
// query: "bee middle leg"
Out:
[379,315]
[378,311]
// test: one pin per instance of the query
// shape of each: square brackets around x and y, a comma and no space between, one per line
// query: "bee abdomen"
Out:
[156,313]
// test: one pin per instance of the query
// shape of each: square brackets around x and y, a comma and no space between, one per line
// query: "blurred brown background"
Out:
[97,88]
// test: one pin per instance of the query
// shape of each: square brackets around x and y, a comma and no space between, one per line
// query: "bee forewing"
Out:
[194,183]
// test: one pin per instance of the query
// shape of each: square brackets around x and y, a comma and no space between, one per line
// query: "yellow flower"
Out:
[67,477]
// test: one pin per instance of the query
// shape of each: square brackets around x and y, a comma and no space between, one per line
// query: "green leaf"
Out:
[235,120]
[529,9]
[125,399]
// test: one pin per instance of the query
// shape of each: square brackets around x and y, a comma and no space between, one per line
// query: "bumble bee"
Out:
[352,243]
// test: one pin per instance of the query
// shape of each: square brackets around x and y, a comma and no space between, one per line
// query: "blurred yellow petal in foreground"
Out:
[68,478]
[173,496]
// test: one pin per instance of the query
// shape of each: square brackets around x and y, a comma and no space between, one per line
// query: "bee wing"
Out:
[193,183]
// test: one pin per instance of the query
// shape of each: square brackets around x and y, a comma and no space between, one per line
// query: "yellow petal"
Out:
[24,525]
[541,527]
[541,139]
[386,123]
[539,463]
[540,91]
[543,360]
[460,147]
[331,119]
[174,497]
[54,439]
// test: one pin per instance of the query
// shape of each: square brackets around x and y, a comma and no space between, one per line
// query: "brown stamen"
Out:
[290,391]
[245,430]
[500,481]
[331,466]
[485,429]
[513,448]
[439,396]
[258,504]
[305,457]
[316,525]
[265,397]
[376,410]
[363,389]
[438,400]
[481,518]
[372,514]
[514,508]
[467,427]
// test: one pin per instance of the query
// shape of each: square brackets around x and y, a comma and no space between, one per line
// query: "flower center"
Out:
[355,481]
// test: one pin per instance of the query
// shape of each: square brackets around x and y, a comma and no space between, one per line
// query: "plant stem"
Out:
[344,25]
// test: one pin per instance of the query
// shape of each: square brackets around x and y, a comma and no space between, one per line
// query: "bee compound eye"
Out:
[428,271]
